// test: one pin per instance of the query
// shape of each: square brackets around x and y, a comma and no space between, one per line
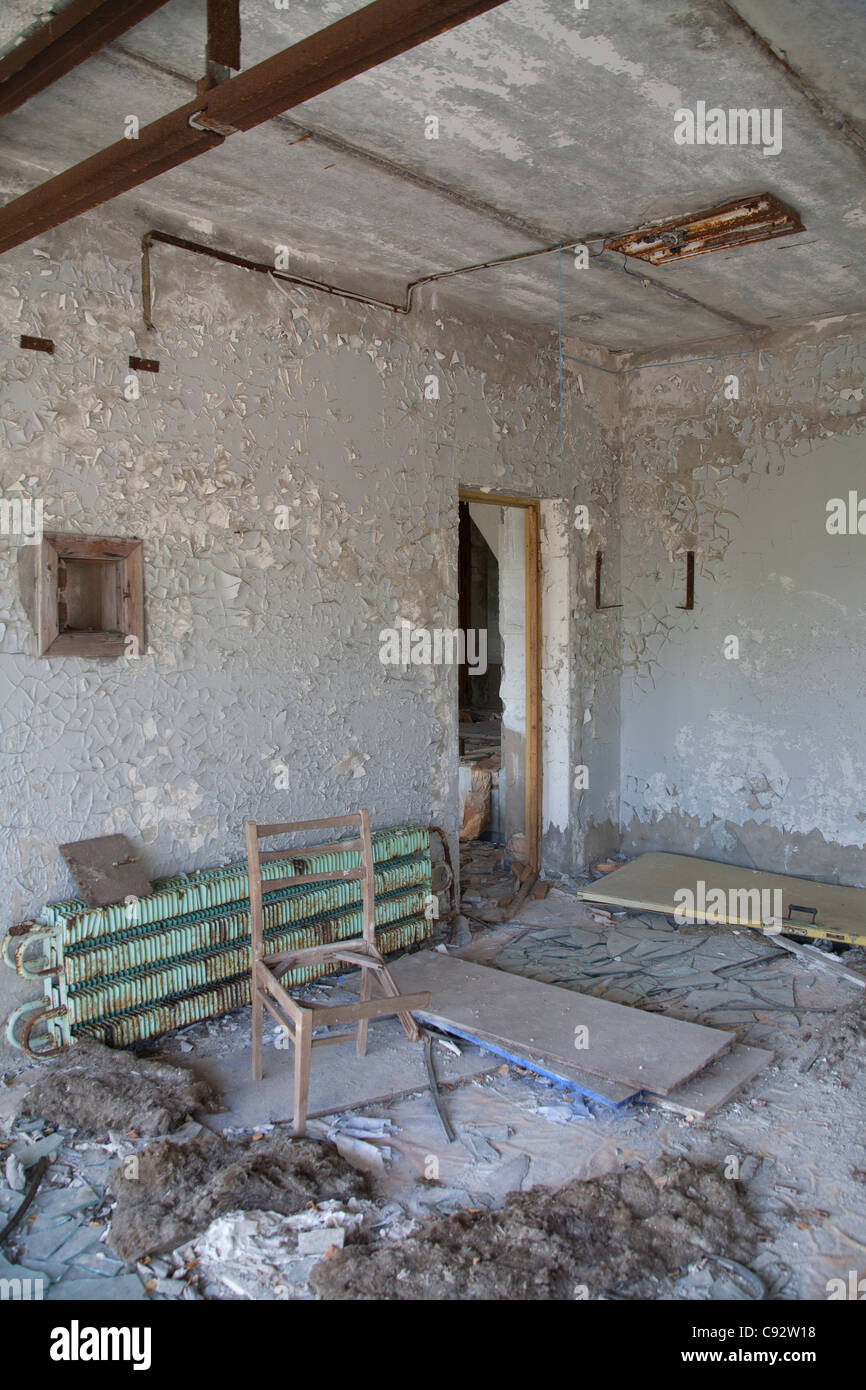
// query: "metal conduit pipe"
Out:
[262,268]
[229,258]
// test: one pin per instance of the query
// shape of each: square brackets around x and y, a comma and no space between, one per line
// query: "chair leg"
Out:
[303,1051]
[410,1027]
[366,995]
[258,1029]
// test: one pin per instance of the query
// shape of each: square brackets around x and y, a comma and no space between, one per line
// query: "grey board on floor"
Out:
[699,1097]
[647,1051]
[715,1085]
[594,1087]
[339,1078]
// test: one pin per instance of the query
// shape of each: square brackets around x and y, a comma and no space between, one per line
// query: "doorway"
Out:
[500,706]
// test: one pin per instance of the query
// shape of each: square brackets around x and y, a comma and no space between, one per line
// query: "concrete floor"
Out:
[796,1131]
[798,1135]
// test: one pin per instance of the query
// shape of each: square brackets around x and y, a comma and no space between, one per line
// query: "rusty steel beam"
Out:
[65,41]
[224,33]
[361,41]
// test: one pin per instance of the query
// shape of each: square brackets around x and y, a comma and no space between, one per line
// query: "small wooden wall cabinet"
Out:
[89,596]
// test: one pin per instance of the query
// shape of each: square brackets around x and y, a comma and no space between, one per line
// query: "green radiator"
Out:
[142,967]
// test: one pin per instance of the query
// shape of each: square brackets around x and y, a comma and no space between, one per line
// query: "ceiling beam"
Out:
[373,159]
[353,45]
[224,33]
[66,40]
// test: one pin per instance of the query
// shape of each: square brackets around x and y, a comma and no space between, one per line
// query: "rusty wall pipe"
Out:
[262,268]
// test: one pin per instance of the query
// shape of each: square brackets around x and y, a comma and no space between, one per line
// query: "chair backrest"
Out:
[363,844]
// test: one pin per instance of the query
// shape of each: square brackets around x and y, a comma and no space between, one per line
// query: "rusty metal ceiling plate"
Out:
[739,223]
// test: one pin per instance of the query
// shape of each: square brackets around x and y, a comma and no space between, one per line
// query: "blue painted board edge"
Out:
[524,1062]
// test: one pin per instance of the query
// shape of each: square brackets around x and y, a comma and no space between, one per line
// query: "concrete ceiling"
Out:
[554,124]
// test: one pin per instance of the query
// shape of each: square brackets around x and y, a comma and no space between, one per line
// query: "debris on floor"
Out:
[722,976]
[487,886]
[841,1048]
[173,1192]
[94,1089]
[352,1136]
[626,1235]
[263,1255]
[258,1254]
[476,808]
[60,1240]
[257,1215]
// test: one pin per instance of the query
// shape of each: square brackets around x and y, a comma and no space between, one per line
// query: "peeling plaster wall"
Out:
[760,760]
[596,659]
[262,661]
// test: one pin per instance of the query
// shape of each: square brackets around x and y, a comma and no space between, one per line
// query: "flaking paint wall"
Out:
[757,760]
[262,660]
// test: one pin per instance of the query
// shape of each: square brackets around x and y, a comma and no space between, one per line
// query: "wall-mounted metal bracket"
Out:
[211,127]
[690,582]
[31,344]
[599,562]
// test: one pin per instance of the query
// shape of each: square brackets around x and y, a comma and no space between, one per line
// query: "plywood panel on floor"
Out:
[599,1088]
[715,1085]
[652,881]
[638,1049]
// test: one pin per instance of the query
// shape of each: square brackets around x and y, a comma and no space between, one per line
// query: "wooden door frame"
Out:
[531,507]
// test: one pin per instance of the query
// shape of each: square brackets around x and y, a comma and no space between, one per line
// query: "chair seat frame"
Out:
[300,1020]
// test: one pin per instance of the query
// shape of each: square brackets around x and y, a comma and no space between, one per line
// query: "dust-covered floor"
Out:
[540,1195]
[631,1234]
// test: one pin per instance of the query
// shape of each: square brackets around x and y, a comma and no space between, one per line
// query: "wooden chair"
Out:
[298,1019]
